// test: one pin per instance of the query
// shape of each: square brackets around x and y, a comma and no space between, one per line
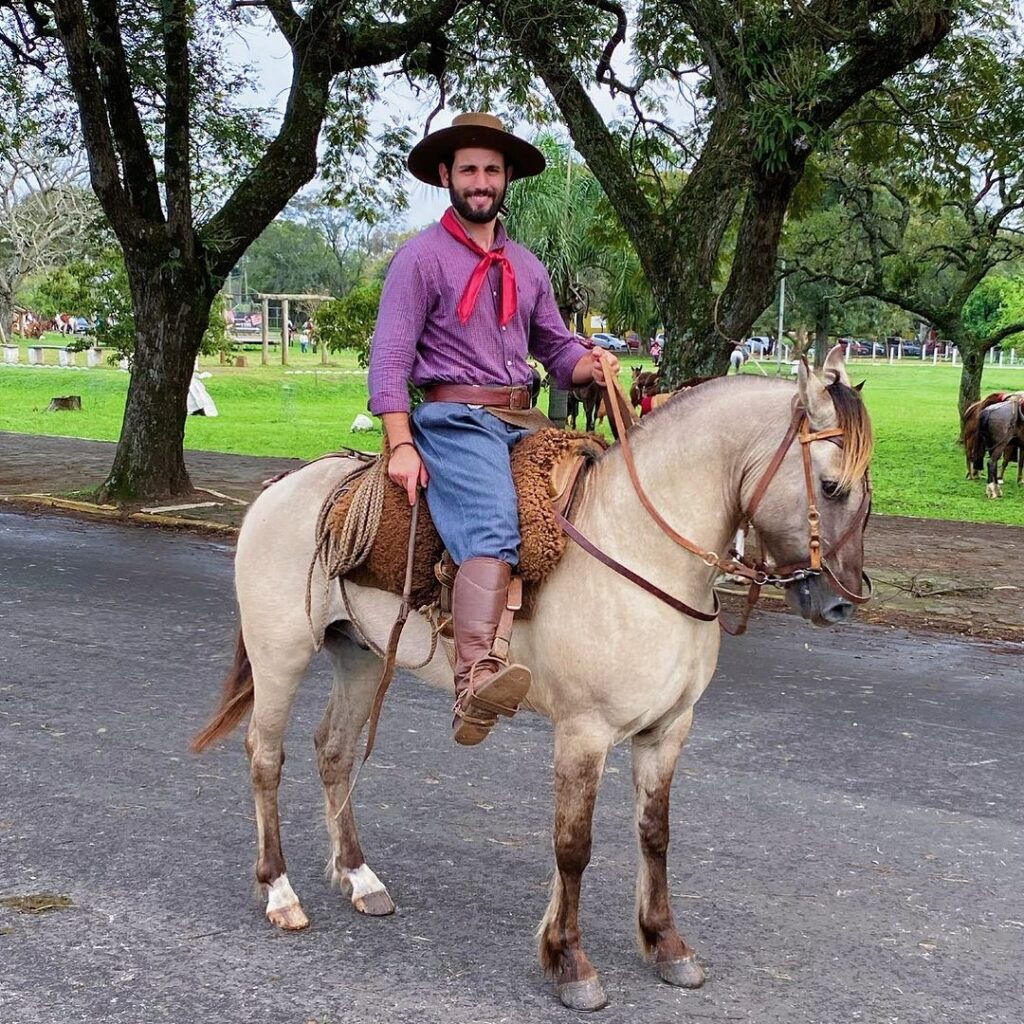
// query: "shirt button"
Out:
[509,363]
[504,328]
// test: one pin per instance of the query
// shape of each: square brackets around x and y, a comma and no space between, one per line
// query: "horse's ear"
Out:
[835,366]
[814,397]
[860,386]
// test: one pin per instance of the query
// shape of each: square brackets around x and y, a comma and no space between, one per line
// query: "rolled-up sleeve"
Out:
[550,340]
[400,322]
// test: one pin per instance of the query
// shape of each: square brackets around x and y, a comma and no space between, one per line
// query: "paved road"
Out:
[847,826]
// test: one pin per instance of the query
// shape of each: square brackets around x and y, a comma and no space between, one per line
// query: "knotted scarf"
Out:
[467,303]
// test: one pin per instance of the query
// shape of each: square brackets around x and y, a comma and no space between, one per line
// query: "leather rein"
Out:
[756,574]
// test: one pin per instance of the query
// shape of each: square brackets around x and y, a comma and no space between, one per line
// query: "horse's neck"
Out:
[690,460]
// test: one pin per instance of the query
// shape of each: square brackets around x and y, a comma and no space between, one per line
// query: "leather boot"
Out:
[486,685]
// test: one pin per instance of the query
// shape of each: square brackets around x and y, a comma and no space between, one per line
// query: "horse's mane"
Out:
[851,415]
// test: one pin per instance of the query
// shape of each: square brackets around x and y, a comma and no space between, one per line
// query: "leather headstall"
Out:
[754,573]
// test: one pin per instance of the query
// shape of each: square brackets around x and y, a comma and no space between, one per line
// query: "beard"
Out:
[477,214]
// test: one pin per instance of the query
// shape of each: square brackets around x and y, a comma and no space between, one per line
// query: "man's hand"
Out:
[602,361]
[406,468]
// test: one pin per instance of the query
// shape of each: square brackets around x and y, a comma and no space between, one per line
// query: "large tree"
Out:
[923,200]
[187,175]
[766,83]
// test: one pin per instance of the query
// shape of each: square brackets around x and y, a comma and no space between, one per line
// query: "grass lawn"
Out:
[306,409]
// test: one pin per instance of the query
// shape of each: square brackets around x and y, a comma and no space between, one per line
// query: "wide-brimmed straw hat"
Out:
[478,129]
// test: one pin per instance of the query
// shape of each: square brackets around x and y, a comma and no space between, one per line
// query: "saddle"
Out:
[547,467]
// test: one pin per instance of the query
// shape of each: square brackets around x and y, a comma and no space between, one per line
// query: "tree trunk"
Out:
[172,310]
[970,375]
[821,325]
[6,311]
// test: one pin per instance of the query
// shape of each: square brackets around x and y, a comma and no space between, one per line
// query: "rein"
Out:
[754,573]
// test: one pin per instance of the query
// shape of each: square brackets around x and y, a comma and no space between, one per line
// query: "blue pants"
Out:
[470,493]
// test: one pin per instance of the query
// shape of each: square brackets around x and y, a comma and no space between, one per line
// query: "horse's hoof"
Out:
[375,904]
[685,973]
[582,995]
[291,918]
[366,891]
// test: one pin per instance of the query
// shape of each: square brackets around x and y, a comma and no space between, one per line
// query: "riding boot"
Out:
[484,600]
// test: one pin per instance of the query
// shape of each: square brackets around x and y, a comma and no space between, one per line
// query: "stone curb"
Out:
[113,512]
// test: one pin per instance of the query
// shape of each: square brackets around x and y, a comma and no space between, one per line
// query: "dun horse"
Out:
[710,460]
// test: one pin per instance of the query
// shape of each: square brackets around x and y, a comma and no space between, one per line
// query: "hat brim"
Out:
[526,159]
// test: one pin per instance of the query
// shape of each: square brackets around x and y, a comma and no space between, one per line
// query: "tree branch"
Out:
[140,179]
[177,136]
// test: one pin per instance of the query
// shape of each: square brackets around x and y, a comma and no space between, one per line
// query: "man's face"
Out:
[477,183]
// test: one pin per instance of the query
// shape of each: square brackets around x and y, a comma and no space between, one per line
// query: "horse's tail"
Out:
[235,700]
[980,443]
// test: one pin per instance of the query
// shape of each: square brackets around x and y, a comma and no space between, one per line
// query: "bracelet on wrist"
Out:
[394,448]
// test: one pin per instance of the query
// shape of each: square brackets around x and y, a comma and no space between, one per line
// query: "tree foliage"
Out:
[348,323]
[920,218]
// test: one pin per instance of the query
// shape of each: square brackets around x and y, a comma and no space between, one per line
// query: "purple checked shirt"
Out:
[419,336]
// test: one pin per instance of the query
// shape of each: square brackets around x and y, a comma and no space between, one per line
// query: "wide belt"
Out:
[517,397]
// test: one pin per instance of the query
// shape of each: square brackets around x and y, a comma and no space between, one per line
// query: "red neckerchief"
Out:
[467,303]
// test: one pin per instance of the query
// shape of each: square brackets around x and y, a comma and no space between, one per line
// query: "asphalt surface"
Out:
[847,825]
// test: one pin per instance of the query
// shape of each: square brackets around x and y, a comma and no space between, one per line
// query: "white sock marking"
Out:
[363,881]
[281,895]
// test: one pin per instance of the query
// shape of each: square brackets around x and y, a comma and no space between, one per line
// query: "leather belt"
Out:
[517,397]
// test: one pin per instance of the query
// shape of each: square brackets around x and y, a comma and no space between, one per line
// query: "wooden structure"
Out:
[265,300]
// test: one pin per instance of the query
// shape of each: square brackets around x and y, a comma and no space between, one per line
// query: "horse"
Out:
[969,431]
[738,450]
[644,382]
[1000,433]
[737,357]
[589,397]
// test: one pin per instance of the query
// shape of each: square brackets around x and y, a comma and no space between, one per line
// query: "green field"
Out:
[306,409]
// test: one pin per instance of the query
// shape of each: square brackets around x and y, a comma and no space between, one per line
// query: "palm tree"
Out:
[554,215]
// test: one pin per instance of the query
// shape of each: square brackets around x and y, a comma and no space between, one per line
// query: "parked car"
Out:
[759,345]
[862,346]
[609,341]
[912,348]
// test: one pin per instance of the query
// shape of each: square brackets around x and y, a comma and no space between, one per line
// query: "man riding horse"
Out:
[462,307]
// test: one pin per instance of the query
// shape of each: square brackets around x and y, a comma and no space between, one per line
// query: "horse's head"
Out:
[811,512]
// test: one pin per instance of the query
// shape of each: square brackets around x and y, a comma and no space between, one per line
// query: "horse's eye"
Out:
[832,489]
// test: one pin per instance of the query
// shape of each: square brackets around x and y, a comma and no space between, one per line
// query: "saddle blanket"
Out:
[541,465]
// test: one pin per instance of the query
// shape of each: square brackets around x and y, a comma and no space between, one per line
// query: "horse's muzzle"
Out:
[815,600]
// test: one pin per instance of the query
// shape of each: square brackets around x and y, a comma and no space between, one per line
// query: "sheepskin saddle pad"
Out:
[543,465]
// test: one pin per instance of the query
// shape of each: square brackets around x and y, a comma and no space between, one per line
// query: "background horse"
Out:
[969,431]
[702,460]
[1000,433]
[589,397]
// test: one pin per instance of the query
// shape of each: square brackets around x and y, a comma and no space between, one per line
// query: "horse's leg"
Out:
[994,486]
[355,681]
[277,670]
[579,763]
[655,753]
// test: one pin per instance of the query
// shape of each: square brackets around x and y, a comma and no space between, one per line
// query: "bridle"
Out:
[754,572]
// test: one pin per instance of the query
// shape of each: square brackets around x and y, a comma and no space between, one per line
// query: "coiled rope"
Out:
[338,553]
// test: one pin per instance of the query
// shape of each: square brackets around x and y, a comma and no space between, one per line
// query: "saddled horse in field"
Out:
[790,459]
[1000,434]
[969,431]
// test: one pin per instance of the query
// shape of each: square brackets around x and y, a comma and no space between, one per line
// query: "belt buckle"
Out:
[519,397]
